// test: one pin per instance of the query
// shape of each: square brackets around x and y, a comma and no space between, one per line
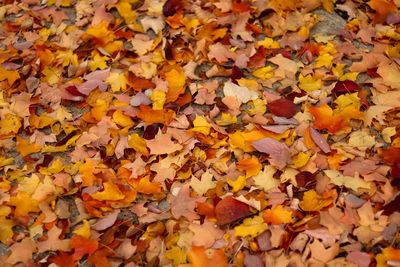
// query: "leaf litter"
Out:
[200,133]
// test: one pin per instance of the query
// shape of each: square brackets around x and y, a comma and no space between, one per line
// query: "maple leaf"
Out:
[83,246]
[283,108]
[162,144]
[383,8]
[353,183]
[83,230]
[24,204]
[53,242]
[22,251]
[10,75]
[111,192]
[229,210]
[199,258]
[251,227]
[279,155]
[325,119]
[201,125]
[309,83]
[265,179]
[117,80]
[250,165]
[203,185]
[278,215]
[205,234]
[314,202]
[184,205]
[10,124]
[6,232]
[176,79]
[242,94]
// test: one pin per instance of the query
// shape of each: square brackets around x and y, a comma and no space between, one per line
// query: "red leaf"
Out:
[73,90]
[283,108]
[171,7]
[229,210]
[346,86]
[83,246]
[236,74]
[392,206]
[63,259]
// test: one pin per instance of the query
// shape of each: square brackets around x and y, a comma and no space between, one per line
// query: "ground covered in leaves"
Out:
[200,133]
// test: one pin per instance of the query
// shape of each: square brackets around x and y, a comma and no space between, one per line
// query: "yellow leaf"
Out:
[124,8]
[176,79]
[24,147]
[68,58]
[98,62]
[349,76]
[361,140]
[248,83]
[138,144]
[301,159]
[314,202]
[251,165]
[10,75]
[324,60]
[6,232]
[55,167]
[268,43]
[177,255]
[203,185]
[265,179]
[257,106]
[23,204]
[278,215]
[387,133]
[226,119]
[101,33]
[251,227]
[328,5]
[121,119]
[51,75]
[110,192]
[388,254]
[10,124]
[309,83]
[237,184]
[117,80]
[99,109]
[158,98]
[6,161]
[5,210]
[84,230]
[354,183]
[264,73]
[201,125]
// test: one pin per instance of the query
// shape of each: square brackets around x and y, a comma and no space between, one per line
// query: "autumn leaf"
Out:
[229,210]
[325,119]
[111,192]
[198,257]
[251,227]
[312,201]
[278,215]
[383,8]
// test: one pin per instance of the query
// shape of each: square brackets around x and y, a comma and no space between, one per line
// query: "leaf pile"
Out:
[200,133]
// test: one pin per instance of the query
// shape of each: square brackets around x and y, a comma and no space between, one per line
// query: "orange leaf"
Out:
[325,119]
[199,258]
[146,187]
[251,165]
[278,215]
[148,115]
[83,246]
[24,147]
[382,8]
[63,260]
